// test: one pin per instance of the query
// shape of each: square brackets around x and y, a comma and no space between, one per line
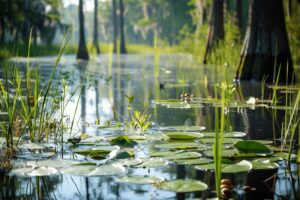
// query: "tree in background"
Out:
[115,25]
[216,29]
[266,52]
[122,35]
[95,38]
[82,52]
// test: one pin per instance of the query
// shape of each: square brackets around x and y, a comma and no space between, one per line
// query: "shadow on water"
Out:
[103,95]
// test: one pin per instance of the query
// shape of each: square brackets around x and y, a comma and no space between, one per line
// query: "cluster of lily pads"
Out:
[114,154]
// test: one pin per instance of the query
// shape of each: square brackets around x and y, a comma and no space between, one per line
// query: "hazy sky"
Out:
[88,4]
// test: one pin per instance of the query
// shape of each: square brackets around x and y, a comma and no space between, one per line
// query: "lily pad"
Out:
[178,145]
[242,166]
[226,134]
[208,140]
[43,171]
[183,155]
[31,146]
[184,135]
[94,139]
[108,170]
[225,152]
[21,171]
[137,179]
[198,161]
[249,146]
[260,164]
[55,163]
[124,141]
[128,162]
[100,152]
[80,170]
[181,186]
[152,163]
[182,128]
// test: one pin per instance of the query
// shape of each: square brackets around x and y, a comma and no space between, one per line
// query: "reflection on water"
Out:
[104,91]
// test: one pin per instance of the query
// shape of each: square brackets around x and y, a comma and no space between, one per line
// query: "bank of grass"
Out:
[11,50]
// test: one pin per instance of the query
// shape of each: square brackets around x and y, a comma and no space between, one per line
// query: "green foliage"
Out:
[124,141]
[293,27]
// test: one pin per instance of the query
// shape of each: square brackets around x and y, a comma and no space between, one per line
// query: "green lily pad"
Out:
[208,140]
[124,141]
[152,163]
[79,170]
[164,153]
[263,164]
[100,152]
[54,163]
[182,128]
[198,161]
[181,186]
[178,145]
[128,162]
[94,139]
[22,172]
[184,135]
[207,167]
[137,179]
[249,146]
[43,171]
[226,134]
[242,166]
[31,146]
[225,152]
[183,155]
[108,170]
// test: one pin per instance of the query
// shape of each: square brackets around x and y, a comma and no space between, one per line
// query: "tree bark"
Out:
[122,36]
[266,52]
[238,14]
[199,4]
[115,25]
[216,29]
[95,38]
[82,52]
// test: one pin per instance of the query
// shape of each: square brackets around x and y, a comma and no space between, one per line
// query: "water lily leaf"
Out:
[207,167]
[137,137]
[183,155]
[79,170]
[184,135]
[108,170]
[124,154]
[36,156]
[94,139]
[283,156]
[43,171]
[123,140]
[225,152]
[263,164]
[137,179]
[182,128]
[31,146]
[242,166]
[128,162]
[265,142]
[22,172]
[178,145]
[97,153]
[164,153]
[152,163]
[183,186]
[198,161]
[209,140]
[249,146]
[226,134]
[55,163]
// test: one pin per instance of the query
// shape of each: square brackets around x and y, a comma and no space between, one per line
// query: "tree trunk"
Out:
[199,4]
[238,14]
[216,29]
[115,25]
[122,36]
[95,39]
[82,52]
[266,48]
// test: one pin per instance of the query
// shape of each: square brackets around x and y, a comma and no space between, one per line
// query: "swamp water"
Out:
[151,164]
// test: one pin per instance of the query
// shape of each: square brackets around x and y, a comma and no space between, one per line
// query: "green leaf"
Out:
[178,145]
[198,161]
[248,146]
[138,179]
[152,163]
[127,162]
[184,135]
[242,166]
[181,186]
[264,164]
[124,141]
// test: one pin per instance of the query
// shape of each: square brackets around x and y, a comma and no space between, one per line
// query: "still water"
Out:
[107,83]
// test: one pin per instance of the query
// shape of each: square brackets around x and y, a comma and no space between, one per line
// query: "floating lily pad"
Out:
[242,166]
[31,146]
[107,170]
[249,146]
[183,155]
[226,134]
[79,170]
[55,163]
[225,152]
[97,153]
[164,153]
[123,140]
[182,128]
[207,167]
[43,171]
[94,139]
[137,179]
[152,163]
[21,171]
[181,186]
[198,161]
[263,164]
[128,162]
[209,140]
[184,135]
[178,145]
